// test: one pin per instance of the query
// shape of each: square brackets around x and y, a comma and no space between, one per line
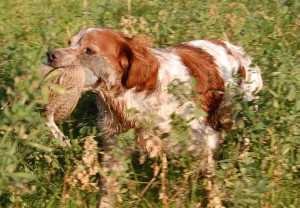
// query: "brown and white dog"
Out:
[139,77]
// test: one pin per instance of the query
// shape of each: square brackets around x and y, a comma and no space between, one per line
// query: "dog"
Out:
[136,76]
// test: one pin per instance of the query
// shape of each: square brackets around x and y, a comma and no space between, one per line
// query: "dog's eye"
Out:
[89,51]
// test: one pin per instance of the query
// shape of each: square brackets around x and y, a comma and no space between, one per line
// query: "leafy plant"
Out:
[258,162]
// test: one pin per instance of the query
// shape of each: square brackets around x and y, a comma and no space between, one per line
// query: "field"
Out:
[258,163]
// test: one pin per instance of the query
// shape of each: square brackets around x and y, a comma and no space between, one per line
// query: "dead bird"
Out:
[61,104]
[74,80]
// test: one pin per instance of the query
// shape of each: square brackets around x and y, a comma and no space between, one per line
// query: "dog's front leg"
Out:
[109,181]
[114,166]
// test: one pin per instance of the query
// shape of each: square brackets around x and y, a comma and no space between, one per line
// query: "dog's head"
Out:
[109,55]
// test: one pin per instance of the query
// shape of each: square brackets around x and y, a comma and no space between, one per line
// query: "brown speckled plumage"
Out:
[61,105]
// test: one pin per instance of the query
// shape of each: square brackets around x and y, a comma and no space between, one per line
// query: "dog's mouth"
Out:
[55,66]
[46,69]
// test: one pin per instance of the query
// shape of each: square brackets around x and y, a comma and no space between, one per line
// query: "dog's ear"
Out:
[124,58]
[140,66]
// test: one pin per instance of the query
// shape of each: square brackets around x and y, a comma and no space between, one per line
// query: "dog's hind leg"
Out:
[210,138]
[213,193]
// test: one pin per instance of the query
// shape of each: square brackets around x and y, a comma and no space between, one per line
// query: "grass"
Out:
[263,172]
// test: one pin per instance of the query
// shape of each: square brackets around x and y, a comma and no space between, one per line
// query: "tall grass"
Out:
[257,163]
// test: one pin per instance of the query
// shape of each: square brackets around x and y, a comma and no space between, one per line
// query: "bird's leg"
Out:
[56,132]
[54,128]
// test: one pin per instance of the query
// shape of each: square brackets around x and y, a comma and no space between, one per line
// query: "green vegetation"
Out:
[258,163]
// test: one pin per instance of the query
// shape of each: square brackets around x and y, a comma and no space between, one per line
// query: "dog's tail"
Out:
[251,82]
[247,83]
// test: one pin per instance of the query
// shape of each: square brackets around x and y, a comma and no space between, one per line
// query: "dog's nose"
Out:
[52,56]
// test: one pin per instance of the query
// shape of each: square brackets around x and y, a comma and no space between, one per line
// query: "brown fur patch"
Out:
[242,73]
[203,68]
[218,42]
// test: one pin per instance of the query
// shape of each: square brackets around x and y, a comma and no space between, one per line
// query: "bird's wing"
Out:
[63,105]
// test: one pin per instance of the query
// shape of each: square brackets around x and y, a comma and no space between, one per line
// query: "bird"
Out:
[61,104]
